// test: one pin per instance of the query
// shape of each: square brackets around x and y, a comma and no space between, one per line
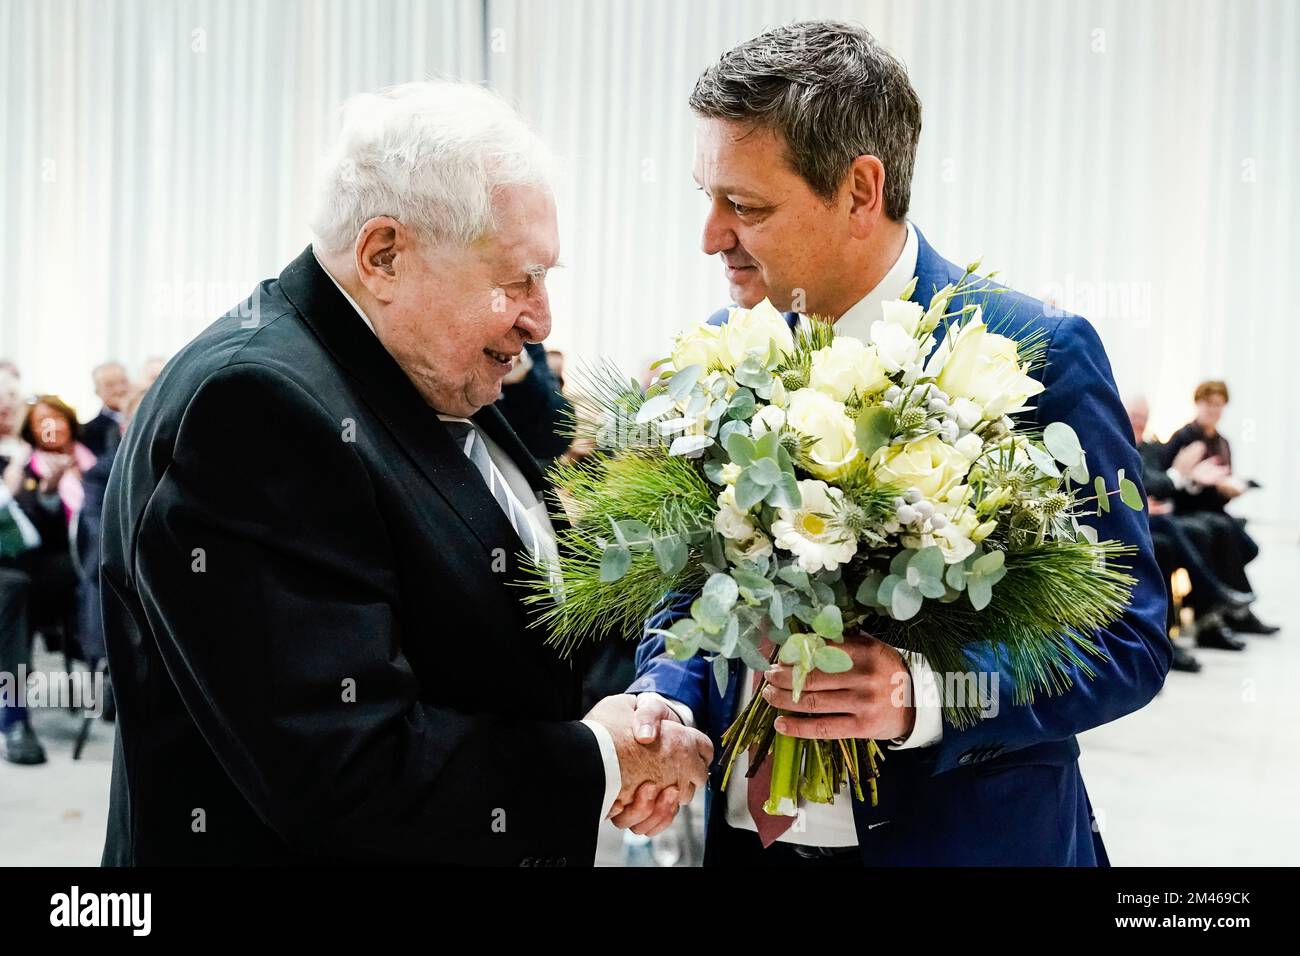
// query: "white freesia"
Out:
[730,473]
[971,446]
[756,330]
[769,418]
[818,416]
[730,521]
[984,367]
[967,413]
[897,348]
[846,366]
[904,314]
[811,532]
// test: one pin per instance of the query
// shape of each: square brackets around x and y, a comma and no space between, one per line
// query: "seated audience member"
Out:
[555,359]
[113,388]
[150,371]
[51,494]
[1175,548]
[1201,499]
[18,537]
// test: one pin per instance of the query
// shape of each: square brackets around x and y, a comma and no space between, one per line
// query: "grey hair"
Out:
[832,92]
[429,154]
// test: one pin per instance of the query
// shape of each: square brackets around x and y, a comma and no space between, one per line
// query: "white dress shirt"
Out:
[821,824]
[545,534]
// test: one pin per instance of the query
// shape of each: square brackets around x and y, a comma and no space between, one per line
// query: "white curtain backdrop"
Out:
[1134,161]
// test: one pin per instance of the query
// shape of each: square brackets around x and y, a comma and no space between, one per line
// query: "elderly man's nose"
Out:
[535,322]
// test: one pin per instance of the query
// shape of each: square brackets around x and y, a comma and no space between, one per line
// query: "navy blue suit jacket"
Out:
[1006,791]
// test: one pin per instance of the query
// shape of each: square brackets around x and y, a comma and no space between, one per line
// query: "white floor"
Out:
[1204,775]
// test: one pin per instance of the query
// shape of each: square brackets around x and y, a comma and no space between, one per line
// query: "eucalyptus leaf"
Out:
[1042,461]
[1129,494]
[904,602]
[671,554]
[686,444]
[742,404]
[1063,443]
[741,449]
[721,674]
[723,587]
[832,660]
[614,563]
[1103,500]
[765,471]
[749,491]
[654,407]
[979,590]
[874,428]
[680,385]
[829,623]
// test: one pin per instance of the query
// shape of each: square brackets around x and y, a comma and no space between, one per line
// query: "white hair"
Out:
[429,154]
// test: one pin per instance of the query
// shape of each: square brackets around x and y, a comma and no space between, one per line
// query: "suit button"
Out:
[965,759]
[528,861]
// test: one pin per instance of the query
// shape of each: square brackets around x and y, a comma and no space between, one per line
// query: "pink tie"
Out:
[769,827]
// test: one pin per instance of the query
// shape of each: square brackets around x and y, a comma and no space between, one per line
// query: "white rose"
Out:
[769,418]
[985,368]
[702,345]
[755,330]
[928,464]
[847,366]
[819,416]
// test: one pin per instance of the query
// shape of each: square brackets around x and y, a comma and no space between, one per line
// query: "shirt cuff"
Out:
[613,772]
[927,699]
[1177,478]
[684,713]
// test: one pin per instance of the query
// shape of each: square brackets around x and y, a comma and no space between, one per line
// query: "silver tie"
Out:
[476,450]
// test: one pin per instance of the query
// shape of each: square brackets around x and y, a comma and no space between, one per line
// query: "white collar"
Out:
[856,322]
[364,318]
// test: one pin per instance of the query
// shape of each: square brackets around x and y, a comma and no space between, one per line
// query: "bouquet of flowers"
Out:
[804,484]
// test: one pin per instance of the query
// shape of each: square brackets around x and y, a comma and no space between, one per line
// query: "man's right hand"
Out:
[662,763]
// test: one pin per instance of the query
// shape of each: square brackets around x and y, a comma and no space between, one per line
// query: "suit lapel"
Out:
[384,387]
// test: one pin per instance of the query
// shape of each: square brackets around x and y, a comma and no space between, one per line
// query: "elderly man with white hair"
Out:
[314,523]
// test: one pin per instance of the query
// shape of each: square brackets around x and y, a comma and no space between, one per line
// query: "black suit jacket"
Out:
[316,649]
[101,434]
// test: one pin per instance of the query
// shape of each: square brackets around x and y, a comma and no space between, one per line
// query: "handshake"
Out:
[662,761]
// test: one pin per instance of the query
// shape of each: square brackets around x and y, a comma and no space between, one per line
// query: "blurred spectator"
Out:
[533,405]
[11,367]
[555,360]
[12,447]
[150,371]
[113,388]
[1200,455]
[1175,548]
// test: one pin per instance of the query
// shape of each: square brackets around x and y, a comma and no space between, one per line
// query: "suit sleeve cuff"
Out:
[613,772]
[926,698]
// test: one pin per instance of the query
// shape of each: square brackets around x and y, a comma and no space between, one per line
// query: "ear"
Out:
[381,246]
[866,195]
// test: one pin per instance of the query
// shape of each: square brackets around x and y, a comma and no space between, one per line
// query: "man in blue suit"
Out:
[805,144]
